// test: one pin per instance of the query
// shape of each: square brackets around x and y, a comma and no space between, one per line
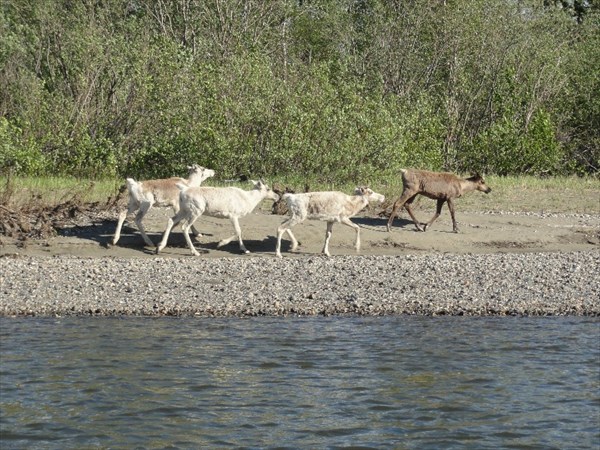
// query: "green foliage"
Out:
[18,156]
[509,148]
[84,157]
[340,91]
[580,101]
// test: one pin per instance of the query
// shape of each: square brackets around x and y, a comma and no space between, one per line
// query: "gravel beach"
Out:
[427,284]
[500,264]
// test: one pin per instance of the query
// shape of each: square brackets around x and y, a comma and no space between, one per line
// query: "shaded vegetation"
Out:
[336,91]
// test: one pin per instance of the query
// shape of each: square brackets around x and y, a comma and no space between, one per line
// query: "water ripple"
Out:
[390,382]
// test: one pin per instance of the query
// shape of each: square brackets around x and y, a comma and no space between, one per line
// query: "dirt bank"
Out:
[480,233]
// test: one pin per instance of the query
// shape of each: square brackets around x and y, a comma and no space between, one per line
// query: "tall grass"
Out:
[529,193]
[516,194]
[54,190]
[523,193]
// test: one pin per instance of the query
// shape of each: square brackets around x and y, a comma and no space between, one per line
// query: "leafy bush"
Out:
[508,148]
[18,155]
[335,91]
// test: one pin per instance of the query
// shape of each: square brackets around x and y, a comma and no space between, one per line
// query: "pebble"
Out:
[528,284]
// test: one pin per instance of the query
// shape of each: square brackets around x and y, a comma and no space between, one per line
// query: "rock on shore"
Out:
[428,284]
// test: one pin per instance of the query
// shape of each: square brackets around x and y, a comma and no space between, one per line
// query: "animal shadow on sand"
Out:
[102,233]
[266,245]
[379,223]
[206,243]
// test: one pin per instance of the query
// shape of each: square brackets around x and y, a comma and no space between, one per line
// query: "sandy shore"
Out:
[500,264]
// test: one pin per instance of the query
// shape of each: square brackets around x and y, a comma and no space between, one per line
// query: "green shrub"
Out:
[507,148]
[83,157]
[167,157]
[18,155]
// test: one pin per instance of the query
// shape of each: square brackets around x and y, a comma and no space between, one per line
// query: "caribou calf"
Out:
[143,195]
[328,206]
[441,186]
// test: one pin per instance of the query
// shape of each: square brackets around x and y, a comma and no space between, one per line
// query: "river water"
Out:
[350,382]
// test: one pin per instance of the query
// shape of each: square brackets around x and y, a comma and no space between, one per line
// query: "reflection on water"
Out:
[395,382]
